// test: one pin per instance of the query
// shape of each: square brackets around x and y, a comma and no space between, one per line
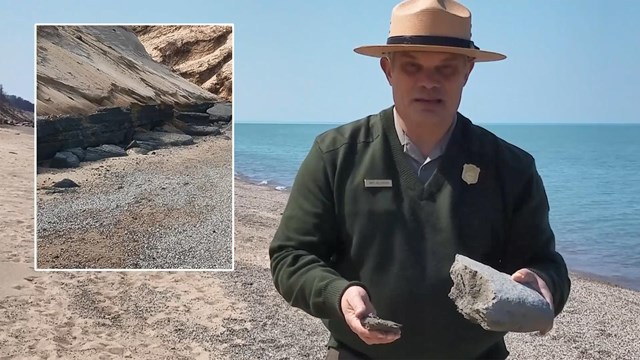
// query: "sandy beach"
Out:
[219,315]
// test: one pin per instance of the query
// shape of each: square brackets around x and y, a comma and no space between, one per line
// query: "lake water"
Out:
[591,174]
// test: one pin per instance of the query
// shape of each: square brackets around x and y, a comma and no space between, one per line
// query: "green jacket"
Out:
[399,242]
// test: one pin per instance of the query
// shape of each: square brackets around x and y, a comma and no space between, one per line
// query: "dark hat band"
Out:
[431,40]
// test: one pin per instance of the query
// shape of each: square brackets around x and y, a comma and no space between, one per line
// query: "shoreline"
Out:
[600,279]
[585,275]
[266,183]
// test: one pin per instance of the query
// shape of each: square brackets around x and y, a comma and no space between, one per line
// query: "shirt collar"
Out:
[413,150]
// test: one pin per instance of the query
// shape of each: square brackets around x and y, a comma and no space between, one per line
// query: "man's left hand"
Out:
[531,280]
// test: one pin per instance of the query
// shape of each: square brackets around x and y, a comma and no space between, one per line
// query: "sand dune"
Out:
[83,68]
[201,54]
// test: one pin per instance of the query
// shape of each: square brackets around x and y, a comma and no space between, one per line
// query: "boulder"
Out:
[103,152]
[64,159]
[220,112]
[77,152]
[196,130]
[163,138]
[170,129]
[493,300]
[148,145]
[193,118]
[65,184]
[202,130]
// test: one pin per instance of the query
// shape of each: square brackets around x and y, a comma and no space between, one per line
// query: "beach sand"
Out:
[220,315]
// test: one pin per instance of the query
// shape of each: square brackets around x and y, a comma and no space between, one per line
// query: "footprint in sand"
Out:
[12,281]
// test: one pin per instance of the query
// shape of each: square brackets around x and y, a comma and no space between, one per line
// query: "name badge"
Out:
[377,183]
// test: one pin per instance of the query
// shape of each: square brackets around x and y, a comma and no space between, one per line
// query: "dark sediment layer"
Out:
[113,126]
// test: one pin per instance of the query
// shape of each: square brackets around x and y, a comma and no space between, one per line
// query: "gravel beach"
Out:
[600,321]
[167,210]
[236,315]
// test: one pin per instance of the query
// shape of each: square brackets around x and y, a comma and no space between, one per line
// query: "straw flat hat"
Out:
[430,25]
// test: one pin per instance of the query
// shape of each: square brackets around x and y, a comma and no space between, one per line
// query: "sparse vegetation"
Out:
[15,101]
[15,110]
[3,98]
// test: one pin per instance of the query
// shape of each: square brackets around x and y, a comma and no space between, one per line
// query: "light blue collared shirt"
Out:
[425,166]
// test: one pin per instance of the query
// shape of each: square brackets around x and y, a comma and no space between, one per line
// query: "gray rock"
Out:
[196,130]
[163,139]
[64,159]
[77,152]
[170,129]
[491,299]
[65,184]
[146,145]
[203,130]
[193,118]
[220,112]
[372,322]
[103,152]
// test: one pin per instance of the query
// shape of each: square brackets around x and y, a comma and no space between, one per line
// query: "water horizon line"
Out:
[476,123]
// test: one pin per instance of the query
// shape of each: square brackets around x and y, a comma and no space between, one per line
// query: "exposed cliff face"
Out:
[108,126]
[83,68]
[201,54]
[98,85]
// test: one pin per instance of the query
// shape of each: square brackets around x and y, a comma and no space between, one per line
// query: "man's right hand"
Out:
[355,305]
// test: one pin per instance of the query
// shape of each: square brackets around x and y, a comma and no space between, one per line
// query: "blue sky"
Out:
[294,61]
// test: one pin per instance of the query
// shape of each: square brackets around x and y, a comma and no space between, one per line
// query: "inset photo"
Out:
[134,147]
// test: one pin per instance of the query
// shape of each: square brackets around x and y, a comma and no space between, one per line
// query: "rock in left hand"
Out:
[532,280]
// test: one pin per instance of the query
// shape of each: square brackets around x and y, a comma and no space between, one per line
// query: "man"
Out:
[381,206]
